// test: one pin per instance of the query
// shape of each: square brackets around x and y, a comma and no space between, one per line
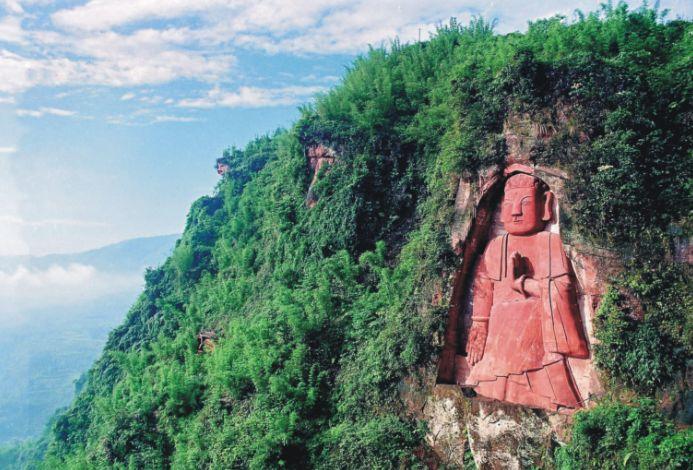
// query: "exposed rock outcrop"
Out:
[206,341]
[505,436]
[318,156]
[222,167]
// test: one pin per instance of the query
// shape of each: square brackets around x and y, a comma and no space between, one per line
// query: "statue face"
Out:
[523,211]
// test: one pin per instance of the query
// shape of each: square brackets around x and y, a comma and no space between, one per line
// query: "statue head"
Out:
[527,205]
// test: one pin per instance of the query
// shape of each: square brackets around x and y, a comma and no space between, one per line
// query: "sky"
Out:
[112,112]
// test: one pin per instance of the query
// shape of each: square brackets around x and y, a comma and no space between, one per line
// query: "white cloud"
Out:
[19,221]
[141,42]
[7,100]
[11,30]
[73,274]
[12,6]
[252,97]
[44,111]
[26,288]
[127,96]
[312,77]
[147,117]
[298,26]
[119,67]
[151,99]
[104,14]
[146,56]
[8,150]
[172,118]
[314,26]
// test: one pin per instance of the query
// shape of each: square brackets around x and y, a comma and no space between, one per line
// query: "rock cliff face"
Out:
[508,437]
[502,435]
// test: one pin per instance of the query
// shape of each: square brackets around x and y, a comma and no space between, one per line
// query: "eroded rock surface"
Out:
[504,436]
[447,428]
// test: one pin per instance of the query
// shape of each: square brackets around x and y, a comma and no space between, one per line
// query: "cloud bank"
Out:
[27,288]
[252,97]
[45,111]
[122,43]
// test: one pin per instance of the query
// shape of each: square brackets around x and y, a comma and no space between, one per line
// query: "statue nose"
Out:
[517,208]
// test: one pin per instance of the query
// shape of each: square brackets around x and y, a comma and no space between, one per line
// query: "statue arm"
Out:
[561,325]
[563,331]
[562,296]
[481,312]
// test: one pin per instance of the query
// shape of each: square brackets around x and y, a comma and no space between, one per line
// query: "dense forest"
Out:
[320,313]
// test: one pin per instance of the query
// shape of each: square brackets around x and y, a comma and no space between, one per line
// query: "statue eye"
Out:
[526,201]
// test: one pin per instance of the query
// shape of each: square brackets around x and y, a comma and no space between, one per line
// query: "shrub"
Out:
[616,436]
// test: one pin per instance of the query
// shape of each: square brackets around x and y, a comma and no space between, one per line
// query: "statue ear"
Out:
[548,206]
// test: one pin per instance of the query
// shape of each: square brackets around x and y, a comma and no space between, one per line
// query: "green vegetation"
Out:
[615,436]
[321,313]
[645,328]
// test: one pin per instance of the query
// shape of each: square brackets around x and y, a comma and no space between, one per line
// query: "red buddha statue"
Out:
[525,318]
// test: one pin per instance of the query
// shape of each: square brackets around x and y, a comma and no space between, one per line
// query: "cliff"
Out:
[330,318]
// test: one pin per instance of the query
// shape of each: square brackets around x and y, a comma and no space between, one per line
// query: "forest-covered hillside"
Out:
[320,313]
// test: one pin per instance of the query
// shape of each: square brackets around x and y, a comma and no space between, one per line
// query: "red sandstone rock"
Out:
[222,168]
[318,156]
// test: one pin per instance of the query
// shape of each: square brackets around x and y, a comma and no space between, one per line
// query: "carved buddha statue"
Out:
[525,318]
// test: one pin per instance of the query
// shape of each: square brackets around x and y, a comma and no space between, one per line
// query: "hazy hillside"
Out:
[320,290]
[124,256]
[52,332]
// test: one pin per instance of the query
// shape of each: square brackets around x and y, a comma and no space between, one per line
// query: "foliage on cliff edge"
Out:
[320,313]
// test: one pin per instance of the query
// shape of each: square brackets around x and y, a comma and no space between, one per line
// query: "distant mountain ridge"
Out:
[123,256]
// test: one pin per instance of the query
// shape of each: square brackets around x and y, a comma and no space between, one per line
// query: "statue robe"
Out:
[528,337]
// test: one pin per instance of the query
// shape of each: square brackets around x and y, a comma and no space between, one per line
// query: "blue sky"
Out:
[112,112]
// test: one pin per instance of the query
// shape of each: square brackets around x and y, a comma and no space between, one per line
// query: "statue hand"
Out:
[477,341]
[532,287]
[516,264]
[526,286]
